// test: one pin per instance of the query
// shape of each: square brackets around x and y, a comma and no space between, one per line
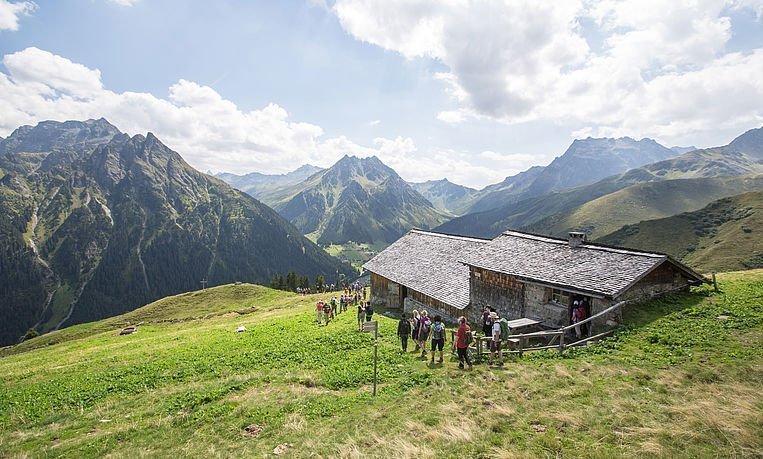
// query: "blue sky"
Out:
[472,91]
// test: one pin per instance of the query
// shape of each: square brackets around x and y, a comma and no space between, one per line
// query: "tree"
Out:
[319,283]
[31,333]
[291,281]
[274,282]
[303,282]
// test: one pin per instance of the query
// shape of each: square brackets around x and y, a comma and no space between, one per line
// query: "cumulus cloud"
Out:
[211,132]
[643,68]
[10,12]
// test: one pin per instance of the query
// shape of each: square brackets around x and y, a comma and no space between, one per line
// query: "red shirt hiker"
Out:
[461,341]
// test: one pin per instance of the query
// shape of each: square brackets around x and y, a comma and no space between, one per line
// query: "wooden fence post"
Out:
[561,342]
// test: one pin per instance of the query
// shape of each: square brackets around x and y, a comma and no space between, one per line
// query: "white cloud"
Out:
[10,12]
[211,133]
[644,68]
[452,116]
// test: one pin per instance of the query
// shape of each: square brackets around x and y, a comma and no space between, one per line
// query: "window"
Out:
[558,296]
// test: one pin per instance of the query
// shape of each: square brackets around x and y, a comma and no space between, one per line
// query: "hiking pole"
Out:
[368,327]
[376,346]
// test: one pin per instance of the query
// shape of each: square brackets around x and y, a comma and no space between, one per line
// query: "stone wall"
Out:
[607,321]
[496,290]
[663,279]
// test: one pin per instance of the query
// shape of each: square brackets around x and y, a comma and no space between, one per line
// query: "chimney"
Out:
[576,239]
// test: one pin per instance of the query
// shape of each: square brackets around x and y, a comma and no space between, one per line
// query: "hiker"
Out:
[487,322]
[424,329]
[334,306]
[585,312]
[575,317]
[495,343]
[369,310]
[361,315]
[438,337]
[463,340]
[319,310]
[403,332]
[327,312]
[415,328]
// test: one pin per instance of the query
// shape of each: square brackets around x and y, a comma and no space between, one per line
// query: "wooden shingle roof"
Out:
[429,263]
[606,271]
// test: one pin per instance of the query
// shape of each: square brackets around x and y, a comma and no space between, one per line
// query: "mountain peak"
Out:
[749,143]
[48,136]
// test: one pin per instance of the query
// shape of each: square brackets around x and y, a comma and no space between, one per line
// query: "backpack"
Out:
[425,326]
[468,338]
[438,331]
[504,329]
[405,327]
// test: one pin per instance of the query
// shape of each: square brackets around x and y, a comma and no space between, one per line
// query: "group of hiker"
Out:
[421,328]
[355,295]
[355,287]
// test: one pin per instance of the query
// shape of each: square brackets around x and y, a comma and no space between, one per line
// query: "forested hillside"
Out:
[95,223]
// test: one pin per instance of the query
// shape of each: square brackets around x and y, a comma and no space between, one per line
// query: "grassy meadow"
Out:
[684,378]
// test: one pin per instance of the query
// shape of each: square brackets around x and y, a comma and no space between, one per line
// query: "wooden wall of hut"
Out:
[497,290]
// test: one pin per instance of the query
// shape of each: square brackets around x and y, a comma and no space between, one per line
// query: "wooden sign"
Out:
[369,327]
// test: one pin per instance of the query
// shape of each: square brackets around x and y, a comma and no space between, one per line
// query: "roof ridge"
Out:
[450,236]
[586,245]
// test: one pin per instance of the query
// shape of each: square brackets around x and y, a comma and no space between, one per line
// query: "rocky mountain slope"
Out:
[585,162]
[446,196]
[94,223]
[511,189]
[590,160]
[743,156]
[356,199]
[265,187]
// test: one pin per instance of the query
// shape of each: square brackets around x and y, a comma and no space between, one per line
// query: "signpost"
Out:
[369,327]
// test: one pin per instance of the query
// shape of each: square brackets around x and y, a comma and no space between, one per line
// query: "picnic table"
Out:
[482,343]
[522,323]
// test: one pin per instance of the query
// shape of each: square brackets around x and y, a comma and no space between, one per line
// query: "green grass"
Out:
[645,201]
[356,253]
[723,236]
[62,299]
[677,381]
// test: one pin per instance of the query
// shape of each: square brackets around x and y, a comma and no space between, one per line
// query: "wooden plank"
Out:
[523,322]
[538,333]
[600,335]
[528,349]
